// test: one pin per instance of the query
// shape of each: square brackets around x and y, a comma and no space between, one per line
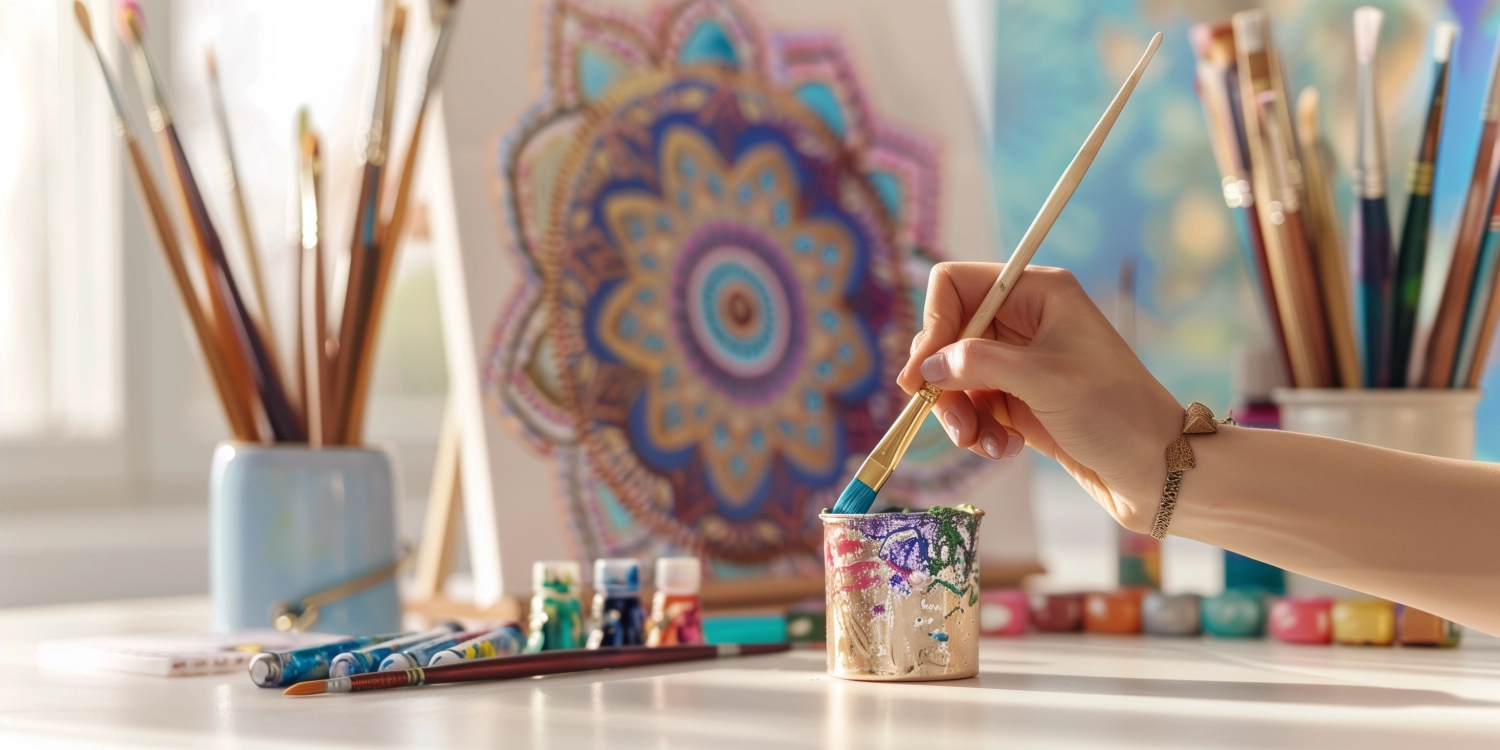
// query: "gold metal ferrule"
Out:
[882,461]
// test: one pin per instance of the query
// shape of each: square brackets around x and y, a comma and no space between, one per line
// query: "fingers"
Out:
[960,421]
[984,365]
[994,440]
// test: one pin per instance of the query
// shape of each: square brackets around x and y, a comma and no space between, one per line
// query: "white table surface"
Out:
[1036,691]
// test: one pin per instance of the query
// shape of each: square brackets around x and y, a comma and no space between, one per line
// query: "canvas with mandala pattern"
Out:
[718,221]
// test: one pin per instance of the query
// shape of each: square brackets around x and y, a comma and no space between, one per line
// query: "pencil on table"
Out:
[1411,259]
[389,231]
[1321,213]
[1372,225]
[1447,327]
[364,251]
[1218,91]
[236,409]
[245,349]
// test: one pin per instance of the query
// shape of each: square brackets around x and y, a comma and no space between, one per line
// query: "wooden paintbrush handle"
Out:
[235,402]
[1056,201]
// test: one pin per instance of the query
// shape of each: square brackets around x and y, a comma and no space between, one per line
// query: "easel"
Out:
[440,525]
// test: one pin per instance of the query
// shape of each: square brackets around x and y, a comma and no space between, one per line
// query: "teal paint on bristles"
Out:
[878,467]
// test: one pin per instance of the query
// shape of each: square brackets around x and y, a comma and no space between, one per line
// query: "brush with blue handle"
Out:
[873,473]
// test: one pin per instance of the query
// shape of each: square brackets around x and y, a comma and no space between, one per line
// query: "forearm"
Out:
[1417,530]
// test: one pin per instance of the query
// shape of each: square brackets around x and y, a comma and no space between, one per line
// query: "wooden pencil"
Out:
[364,250]
[262,312]
[1285,209]
[532,665]
[314,332]
[1447,327]
[1411,258]
[1218,91]
[236,411]
[389,231]
[1372,226]
[1251,43]
[248,352]
[1321,212]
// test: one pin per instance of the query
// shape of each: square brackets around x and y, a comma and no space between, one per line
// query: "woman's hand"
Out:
[1052,372]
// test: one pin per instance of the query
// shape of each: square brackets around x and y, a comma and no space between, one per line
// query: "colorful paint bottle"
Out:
[1174,614]
[1003,612]
[1139,560]
[1302,619]
[1057,613]
[279,669]
[1417,628]
[1364,622]
[1235,614]
[506,640]
[1115,612]
[808,622]
[676,613]
[368,658]
[556,613]
[619,617]
[420,655]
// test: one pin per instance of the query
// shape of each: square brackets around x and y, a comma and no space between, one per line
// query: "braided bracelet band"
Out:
[1198,420]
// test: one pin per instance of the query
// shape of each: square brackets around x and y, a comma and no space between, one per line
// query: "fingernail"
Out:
[951,419]
[991,446]
[935,368]
[1013,444]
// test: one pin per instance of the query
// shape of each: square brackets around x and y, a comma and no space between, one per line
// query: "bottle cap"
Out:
[618,576]
[555,576]
[678,575]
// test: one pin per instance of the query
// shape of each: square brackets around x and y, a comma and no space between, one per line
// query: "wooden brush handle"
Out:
[236,407]
[1056,201]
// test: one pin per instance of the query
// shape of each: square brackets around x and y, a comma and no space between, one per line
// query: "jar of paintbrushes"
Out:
[302,515]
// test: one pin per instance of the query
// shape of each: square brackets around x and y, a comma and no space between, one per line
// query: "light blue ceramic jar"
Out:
[289,521]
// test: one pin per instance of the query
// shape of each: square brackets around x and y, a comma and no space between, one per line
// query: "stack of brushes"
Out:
[1278,177]
[319,395]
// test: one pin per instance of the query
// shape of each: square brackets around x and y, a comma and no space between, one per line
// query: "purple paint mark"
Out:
[878,609]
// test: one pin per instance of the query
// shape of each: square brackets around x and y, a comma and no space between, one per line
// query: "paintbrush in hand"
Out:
[531,665]
[241,423]
[872,475]
[1411,258]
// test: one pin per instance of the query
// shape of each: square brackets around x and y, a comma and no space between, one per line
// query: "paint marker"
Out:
[505,640]
[279,669]
[676,612]
[367,659]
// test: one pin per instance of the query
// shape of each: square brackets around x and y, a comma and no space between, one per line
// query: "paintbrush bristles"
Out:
[1443,36]
[1249,30]
[1367,21]
[85,24]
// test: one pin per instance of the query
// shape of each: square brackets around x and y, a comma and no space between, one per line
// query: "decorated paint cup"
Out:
[903,594]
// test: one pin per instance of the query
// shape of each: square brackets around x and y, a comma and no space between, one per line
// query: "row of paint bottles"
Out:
[618,616]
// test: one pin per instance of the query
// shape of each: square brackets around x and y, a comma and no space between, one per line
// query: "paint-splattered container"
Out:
[903,594]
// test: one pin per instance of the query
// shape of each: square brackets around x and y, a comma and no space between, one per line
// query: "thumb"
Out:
[987,365]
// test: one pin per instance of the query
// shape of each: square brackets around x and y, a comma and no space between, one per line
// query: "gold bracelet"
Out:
[1198,420]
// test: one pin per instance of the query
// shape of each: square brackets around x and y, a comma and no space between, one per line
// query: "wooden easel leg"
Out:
[435,556]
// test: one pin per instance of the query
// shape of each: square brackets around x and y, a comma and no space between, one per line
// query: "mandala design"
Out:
[716,235]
